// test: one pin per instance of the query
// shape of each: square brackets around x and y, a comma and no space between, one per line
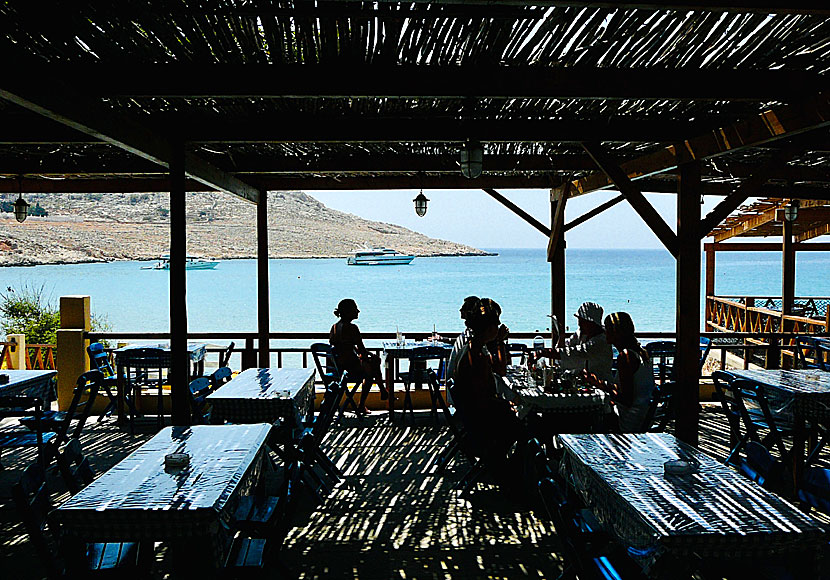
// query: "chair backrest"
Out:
[661,408]
[31,498]
[662,355]
[74,468]
[325,362]
[220,376]
[329,407]
[225,356]
[705,347]
[148,358]
[83,398]
[99,359]
[761,467]
[199,390]
[516,349]
[812,353]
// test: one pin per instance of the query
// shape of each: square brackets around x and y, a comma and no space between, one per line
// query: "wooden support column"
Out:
[263,308]
[711,254]
[687,361]
[787,280]
[179,363]
[556,257]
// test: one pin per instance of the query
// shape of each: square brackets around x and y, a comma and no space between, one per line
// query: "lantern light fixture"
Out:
[791,210]
[21,207]
[472,155]
[421,204]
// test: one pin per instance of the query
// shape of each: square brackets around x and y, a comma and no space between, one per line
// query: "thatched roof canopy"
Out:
[382,95]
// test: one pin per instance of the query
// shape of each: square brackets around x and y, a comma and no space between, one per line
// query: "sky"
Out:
[472,217]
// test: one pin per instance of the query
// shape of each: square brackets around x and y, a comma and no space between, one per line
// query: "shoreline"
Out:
[32,264]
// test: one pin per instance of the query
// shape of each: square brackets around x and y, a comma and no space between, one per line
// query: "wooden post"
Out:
[557,262]
[687,361]
[787,282]
[72,360]
[179,364]
[710,279]
[263,308]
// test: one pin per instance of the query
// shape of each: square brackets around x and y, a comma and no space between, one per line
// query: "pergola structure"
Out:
[689,97]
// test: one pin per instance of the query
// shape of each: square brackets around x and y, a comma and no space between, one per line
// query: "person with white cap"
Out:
[587,349]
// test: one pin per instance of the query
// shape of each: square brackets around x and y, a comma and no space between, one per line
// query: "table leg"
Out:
[121,384]
[389,368]
[799,441]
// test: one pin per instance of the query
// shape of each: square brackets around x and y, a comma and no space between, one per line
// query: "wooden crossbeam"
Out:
[756,221]
[771,125]
[594,212]
[813,233]
[560,196]
[634,196]
[218,81]
[517,210]
[125,134]
[764,247]
[748,188]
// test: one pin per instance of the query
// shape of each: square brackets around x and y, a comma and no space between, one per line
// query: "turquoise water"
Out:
[428,291]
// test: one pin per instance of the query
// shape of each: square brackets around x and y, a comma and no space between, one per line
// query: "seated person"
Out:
[497,347]
[632,388]
[351,354]
[490,420]
[588,348]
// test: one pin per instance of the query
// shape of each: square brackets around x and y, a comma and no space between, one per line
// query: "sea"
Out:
[416,298]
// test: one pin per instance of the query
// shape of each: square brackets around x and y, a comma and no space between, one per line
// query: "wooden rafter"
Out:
[813,233]
[594,212]
[759,214]
[634,196]
[759,6]
[517,210]
[125,134]
[412,82]
[771,125]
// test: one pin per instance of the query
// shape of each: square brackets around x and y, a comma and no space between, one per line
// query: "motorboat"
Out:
[378,257]
[191,263]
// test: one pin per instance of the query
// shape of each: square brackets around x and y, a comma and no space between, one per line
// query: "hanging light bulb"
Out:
[21,207]
[472,155]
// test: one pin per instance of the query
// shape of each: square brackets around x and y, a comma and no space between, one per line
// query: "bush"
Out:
[30,312]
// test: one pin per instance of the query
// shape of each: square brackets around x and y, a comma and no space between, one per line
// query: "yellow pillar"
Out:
[18,351]
[72,360]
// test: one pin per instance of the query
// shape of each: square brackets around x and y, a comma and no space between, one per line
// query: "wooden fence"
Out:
[38,356]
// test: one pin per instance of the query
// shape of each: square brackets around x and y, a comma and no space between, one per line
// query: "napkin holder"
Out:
[176,460]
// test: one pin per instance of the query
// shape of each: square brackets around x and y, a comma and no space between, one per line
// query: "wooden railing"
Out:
[740,314]
[38,356]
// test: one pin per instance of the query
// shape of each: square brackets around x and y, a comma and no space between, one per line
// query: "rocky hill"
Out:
[103,227]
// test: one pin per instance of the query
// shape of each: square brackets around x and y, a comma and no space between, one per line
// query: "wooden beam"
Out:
[594,212]
[771,125]
[758,220]
[711,258]
[687,361]
[124,133]
[749,187]
[764,247]
[517,210]
[557,232]
[813,233]
[359,81]
[179,365]
[262,280]
[750,6]
[632,193]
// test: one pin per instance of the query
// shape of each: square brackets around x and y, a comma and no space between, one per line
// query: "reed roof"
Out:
[382,95]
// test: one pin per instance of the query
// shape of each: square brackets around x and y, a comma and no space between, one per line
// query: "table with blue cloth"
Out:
[38,383]
[140,499]
[393,351]
[668,523]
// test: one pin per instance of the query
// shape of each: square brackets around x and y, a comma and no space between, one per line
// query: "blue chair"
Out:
[219,377]
[705,347]
[99,360]
[325,362]
[145,367]
[812,352]
[661,408]
[74,468]
[662,355]
[199,389]
[83,398]
[35,435]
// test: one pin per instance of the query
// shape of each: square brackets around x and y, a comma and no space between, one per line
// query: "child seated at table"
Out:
[351,354]
[632,388]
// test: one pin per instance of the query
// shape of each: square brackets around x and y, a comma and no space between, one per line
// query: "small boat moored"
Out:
[378,257]
[191,263]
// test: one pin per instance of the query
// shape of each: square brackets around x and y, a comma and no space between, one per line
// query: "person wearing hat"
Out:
[587,349]
[351,354]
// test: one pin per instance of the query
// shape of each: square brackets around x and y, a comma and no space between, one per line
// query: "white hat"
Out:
[590,311]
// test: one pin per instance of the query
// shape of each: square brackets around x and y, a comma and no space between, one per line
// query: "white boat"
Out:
[191,263]
[378,257]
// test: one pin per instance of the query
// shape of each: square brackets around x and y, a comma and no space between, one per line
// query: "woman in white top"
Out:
[632,388]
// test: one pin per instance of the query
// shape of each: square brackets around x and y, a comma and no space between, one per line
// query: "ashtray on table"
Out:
[176,460]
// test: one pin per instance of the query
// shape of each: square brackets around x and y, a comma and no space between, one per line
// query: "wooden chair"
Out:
[83,398]
[660,409]
[74,467]
[662,355]
[199,389]
[99,360]
[31,497]
[812,353]
[225,356]
[419,373]
[220,376]
[325,362]
[517,349]
[35,435]
[145,368]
